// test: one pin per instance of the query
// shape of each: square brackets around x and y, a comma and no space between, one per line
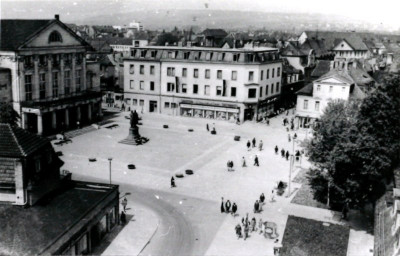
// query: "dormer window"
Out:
[55,37]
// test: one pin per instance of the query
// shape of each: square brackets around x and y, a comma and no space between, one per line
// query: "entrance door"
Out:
[248,114]
[153,106]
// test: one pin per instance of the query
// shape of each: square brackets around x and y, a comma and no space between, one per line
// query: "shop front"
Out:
[209,112]
[267,107]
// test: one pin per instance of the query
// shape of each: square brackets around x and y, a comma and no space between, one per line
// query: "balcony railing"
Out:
[61,99]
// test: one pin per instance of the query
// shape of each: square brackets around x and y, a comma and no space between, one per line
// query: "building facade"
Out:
[52,87]
[213,83]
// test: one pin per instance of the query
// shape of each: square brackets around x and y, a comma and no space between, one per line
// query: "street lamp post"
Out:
[110,159]
[291,165]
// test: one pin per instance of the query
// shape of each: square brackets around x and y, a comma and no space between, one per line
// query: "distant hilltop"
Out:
[228,19]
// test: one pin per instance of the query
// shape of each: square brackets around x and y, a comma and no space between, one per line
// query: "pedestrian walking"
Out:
[276,149]
[256,207]
[282,152]
[244,162]
[287,155]
[123,218]
[260,145]
[272,196]
[173,182]
[227,206]
[254,142]
[238,230]
[124,203]
[256,161]
[295,136]
[208,128]
[246,231]
[222,206]
[262,198]
[228,164]
[243,221]
[292,126]
[260,226]
[289,137]
[253,224]
[248,145]
[234,209]
[231,164]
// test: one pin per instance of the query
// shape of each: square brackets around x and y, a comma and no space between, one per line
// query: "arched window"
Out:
[55,36]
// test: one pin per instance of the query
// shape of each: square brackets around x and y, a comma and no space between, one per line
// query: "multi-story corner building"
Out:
[53,87]
[203,82]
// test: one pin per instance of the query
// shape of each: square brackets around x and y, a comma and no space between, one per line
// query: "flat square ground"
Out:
[198,197]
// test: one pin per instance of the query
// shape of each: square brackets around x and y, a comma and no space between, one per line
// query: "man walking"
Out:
[256,161]
[254,142]
[124,203]
[248,145]
[208,128]
[287,155]
[234,209]
[173,182]
[260,145]
[228,206]
[276,150]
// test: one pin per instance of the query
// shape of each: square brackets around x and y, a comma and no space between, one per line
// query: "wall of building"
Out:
[5,86]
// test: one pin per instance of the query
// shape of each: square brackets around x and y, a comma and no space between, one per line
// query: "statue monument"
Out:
[134,137]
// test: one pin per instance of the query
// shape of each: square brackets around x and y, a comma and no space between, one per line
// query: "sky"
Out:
[381,11]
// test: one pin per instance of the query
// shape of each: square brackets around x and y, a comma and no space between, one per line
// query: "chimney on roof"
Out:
[57,16]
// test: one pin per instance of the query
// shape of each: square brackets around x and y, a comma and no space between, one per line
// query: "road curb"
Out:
[151,237]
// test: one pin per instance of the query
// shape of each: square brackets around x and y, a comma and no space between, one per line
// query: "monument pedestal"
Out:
[134,137]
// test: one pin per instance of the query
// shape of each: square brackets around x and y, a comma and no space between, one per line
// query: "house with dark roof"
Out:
[345,80]
[351,47]
[43,212]
[53,87]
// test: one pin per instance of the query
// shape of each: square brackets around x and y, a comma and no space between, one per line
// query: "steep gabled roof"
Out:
[16,142]
[322,67]
[356,43]
[337,74]
[15,32]
[306,90]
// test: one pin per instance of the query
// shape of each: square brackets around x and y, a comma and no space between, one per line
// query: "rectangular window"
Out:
[55,84]
[207,74]
[143,53]
[141,103]
[170,71]
[134,102]
[206,90]
[277,87]
[234,75]
[141,85]
[272,88]
[132,69]
[318,87]
[262,75]
[195,89]
[78,80]
[251,75]
[142,69]
[42,85]
[219,90]
[184,72]
[267,74]
[273,73]
[184,88]
[305,105]
[252,93]
[261,91]
[173,105]
[219,74]
[153,54]
[195,73]
[67,81]
[152,70]
[170,87]
[28,87]
[166,104]
[317,106]
[278,72]
[330,88]
[132,84]
[233,91]
[151,86]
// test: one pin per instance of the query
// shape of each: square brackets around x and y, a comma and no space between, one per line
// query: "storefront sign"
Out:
[212,108]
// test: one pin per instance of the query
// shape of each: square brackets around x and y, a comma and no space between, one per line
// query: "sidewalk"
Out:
[136,234]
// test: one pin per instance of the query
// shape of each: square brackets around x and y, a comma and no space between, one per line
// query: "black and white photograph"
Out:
[200,127]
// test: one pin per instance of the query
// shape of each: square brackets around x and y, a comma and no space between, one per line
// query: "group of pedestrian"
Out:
[248,226]
[226,207]
[253,144]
